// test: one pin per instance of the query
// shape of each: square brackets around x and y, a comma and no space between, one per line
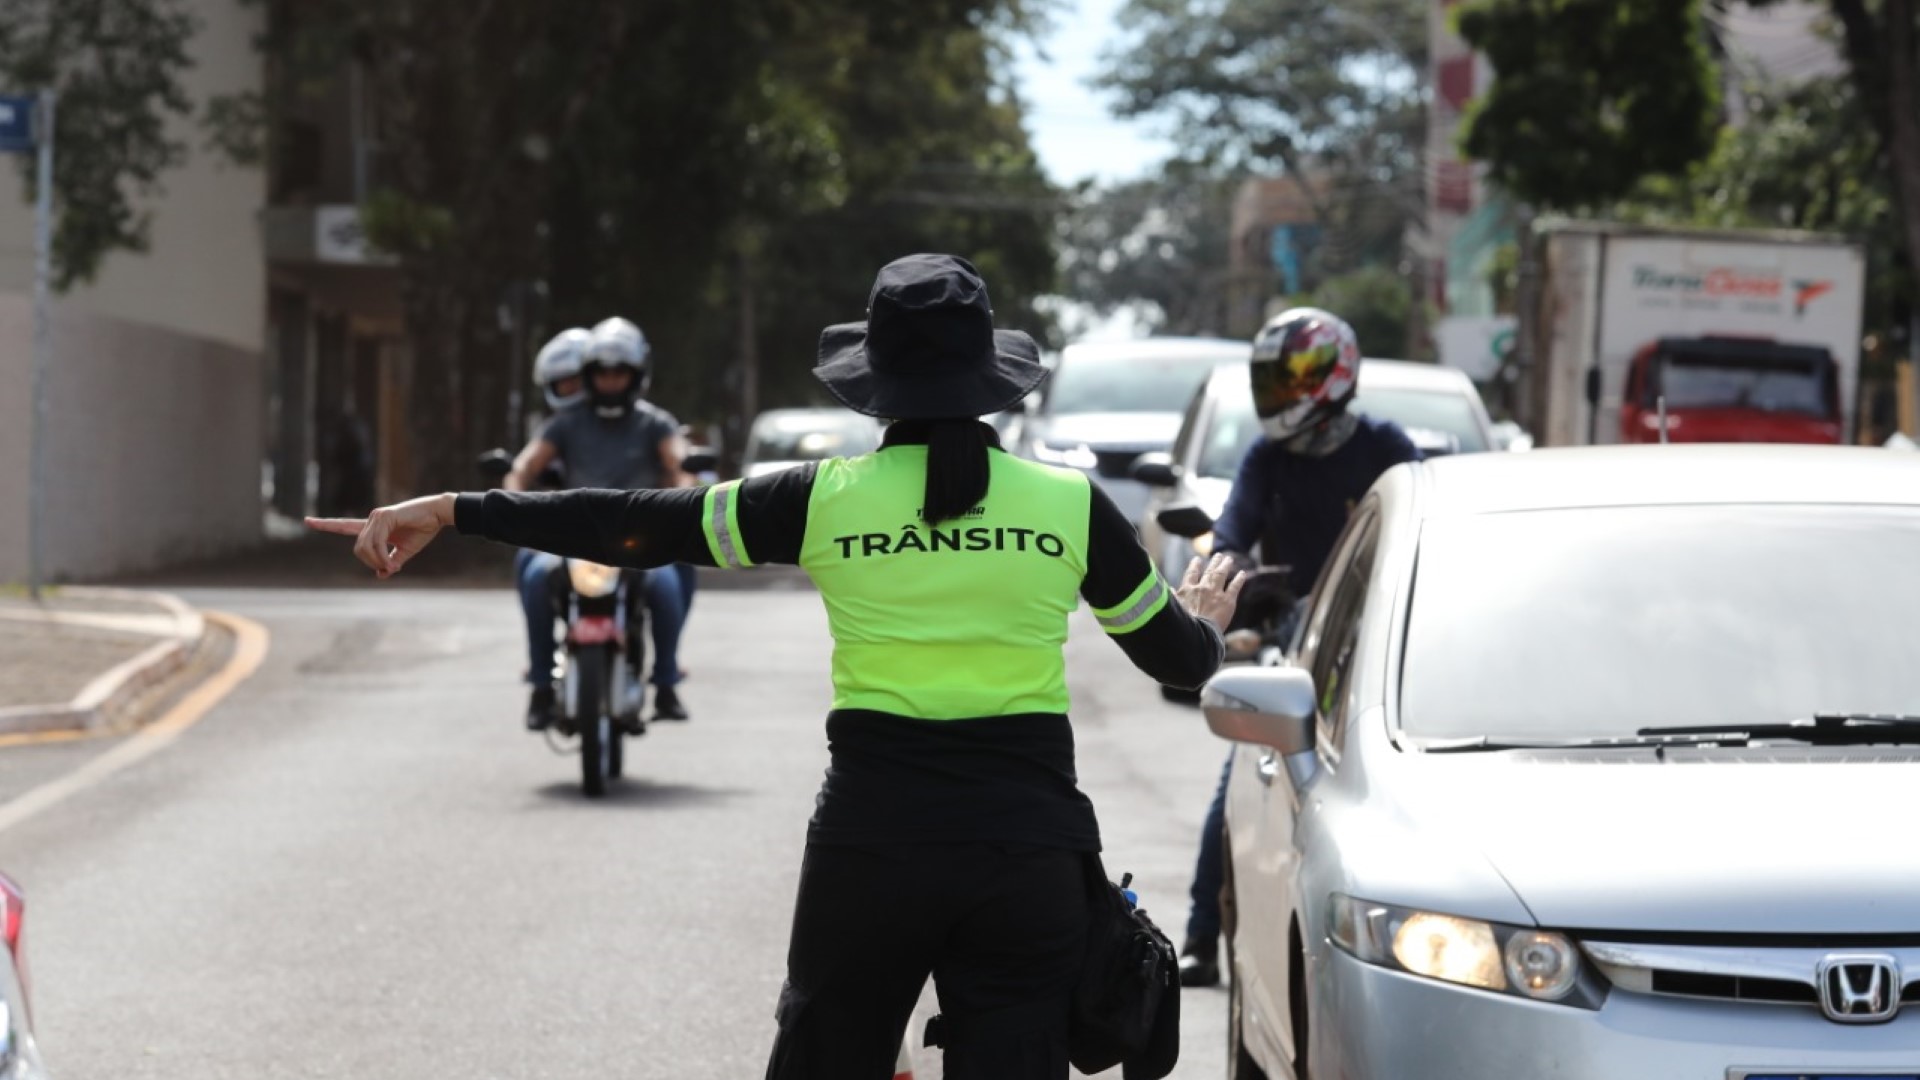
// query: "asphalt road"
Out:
[358,865]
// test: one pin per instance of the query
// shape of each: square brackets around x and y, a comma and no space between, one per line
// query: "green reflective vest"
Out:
[961,619]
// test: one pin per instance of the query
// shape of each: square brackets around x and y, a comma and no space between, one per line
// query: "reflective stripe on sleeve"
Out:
[1133,613]
[721,521]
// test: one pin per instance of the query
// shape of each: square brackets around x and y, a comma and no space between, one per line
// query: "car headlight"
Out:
[1073,457]
[1521,961]
[591,579]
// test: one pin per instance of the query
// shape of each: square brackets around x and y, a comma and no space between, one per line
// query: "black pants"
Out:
[1002,932]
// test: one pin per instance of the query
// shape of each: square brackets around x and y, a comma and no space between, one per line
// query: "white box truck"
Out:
[1742,336]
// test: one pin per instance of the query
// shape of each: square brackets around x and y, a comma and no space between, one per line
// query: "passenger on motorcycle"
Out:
[606,436]
[1291,497]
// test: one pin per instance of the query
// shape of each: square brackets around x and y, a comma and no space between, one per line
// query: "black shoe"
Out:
[1199,966]
[666,705]
[540,709]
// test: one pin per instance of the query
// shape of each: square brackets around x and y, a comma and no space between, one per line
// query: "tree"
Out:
[1331,95]
[1161,242]
[1879,43]
[729,173]
[1589,96]
[116,66]
[1376,302]
[1806,158]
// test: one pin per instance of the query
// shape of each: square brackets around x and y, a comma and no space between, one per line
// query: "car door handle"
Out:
[1269,765]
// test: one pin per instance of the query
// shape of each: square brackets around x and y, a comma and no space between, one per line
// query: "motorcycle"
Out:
[599,655]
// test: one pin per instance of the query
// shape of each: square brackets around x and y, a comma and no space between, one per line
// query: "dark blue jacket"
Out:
[1299,504]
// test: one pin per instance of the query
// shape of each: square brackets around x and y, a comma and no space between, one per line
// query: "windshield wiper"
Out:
[1823,729]
[1599,742]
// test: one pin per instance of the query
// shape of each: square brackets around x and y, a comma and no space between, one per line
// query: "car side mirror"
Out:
[1155,469]
[1270,706]
[699,459]
[495,464]
[1185,520]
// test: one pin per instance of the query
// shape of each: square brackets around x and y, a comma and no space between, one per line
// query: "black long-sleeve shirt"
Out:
[893,779]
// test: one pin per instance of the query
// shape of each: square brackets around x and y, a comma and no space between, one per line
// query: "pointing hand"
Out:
[392,535]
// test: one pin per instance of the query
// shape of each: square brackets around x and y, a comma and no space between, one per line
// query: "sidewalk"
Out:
[79,657]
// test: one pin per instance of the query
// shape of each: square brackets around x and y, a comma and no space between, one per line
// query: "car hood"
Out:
[1135,431]
[1705,842]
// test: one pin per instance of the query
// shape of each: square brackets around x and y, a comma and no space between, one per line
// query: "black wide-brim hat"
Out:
[928,349]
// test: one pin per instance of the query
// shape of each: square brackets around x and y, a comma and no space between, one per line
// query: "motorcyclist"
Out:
[1291,497]
[610,437]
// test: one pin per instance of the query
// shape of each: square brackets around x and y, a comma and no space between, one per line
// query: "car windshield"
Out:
[811,436]
[1234,425]
[1094,382]
[1445,411]
[1574,624]
[1709,383]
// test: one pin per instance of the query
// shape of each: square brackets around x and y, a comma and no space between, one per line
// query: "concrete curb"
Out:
[104,702]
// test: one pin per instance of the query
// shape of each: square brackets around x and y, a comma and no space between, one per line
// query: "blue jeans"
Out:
[1209,870]
[669,593]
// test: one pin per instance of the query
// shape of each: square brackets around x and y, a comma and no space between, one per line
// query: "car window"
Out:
[810,436]
[1092,383]
[1340,633]
[1446,412]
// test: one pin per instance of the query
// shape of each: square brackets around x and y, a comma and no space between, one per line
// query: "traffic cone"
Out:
[903,1070]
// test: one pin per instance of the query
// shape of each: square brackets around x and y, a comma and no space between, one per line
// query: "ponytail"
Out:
[957,468]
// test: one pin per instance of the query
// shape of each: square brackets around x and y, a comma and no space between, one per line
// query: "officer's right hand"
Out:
[1211,591]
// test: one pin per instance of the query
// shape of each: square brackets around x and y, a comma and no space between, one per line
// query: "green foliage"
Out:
[1589,96]
[1324,92]
[1376,302]
[1806,158]
[727,173]
[1160,241]
[116,66]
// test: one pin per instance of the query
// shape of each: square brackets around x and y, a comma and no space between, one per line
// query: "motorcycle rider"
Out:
[609,437]
[1291,496]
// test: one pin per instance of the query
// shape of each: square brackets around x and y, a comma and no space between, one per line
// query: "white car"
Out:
[1437,406]
[1596,763]
[782,438]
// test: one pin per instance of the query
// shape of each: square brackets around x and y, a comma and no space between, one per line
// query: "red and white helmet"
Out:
[1306,366]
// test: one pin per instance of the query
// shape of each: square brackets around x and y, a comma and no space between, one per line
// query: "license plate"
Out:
[593,630]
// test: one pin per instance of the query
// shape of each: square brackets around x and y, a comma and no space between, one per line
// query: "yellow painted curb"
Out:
[249,649]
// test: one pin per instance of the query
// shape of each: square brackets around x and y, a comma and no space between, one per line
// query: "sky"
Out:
[1073,134]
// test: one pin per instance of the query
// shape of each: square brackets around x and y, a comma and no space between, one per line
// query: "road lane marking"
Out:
[250,641]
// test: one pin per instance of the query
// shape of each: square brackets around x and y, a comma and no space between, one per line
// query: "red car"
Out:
[1729,389]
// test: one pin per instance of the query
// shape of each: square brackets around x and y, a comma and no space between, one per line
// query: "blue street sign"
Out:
[16,124]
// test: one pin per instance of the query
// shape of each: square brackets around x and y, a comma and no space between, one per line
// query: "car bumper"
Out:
[1375,1024]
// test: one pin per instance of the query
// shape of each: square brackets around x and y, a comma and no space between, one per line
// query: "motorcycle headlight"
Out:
[1203,544]
[592,579]
[1521,961]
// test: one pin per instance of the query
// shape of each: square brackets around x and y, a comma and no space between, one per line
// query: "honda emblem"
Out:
[1860,989]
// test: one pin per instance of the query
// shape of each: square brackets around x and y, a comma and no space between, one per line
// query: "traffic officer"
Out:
[950,837]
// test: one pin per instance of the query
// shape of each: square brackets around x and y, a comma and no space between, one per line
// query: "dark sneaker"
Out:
[540,708]
[1199,966]
[666,705]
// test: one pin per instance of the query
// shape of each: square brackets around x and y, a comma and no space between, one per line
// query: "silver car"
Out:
[1108,402]
[1596,763]
[782,438]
